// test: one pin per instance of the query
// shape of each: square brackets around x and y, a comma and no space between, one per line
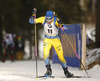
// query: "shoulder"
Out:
[56,19]
[41,18]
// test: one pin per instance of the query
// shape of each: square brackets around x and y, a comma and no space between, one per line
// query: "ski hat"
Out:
[49,16]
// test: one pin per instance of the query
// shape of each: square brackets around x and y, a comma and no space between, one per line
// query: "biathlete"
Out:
[8,46]
[51,26]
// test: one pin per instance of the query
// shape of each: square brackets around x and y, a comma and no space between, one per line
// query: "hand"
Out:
[34,10]
[62,28]
[59,21]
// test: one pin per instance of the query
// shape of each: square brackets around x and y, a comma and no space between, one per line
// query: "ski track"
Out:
[26,71]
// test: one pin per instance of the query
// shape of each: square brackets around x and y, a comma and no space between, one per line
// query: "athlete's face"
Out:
[49,19]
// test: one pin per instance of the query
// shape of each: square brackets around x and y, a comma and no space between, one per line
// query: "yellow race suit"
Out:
[51,38]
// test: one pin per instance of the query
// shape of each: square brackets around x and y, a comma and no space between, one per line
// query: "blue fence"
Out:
[74,34]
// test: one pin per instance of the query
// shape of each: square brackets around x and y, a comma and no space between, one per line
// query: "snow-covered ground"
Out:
[92,55]
[26,71]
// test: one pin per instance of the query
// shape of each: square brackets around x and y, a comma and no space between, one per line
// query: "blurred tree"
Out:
[69,11]
[14,15]
[0,32]
[0,37]
[9,15]
[9,19]
[98,23]
[25,13]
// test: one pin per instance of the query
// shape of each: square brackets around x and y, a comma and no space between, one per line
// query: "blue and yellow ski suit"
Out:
[51,38]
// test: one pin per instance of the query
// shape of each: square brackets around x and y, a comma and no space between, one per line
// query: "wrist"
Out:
[33,15]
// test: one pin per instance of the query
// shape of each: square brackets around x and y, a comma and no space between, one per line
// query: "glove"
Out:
[59,21]
[64,27]
[34,11]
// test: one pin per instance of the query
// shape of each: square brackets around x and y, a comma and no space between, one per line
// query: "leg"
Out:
[4,54]
[59,50]
[46,48]
[12,48]
[58,47]
[4,57]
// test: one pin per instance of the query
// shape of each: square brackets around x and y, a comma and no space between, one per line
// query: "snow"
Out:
[26,71]
[26,49]
[92,55]
[40,45]
[90,30]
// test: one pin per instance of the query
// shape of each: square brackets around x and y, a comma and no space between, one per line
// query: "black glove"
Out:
[59,21]
[34,10]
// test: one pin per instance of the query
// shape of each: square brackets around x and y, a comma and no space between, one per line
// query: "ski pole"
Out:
[74,50]
[36,45]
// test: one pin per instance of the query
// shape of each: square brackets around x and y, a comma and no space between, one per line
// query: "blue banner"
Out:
[74,35]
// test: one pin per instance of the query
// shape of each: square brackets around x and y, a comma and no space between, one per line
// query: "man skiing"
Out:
[8,46]
[51,38]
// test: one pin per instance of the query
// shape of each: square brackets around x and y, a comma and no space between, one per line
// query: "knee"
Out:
[45,56]
[62,59]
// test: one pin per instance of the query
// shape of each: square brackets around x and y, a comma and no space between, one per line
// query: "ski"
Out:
[79,77]
[46,76]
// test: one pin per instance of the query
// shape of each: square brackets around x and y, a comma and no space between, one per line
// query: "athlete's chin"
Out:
[49,22]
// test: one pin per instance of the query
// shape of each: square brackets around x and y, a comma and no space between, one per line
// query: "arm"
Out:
[59,24]
[38,20]
[32,18]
